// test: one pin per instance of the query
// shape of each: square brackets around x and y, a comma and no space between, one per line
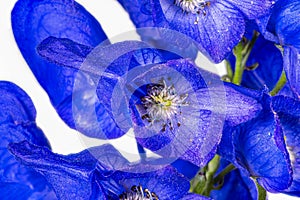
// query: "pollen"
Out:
[192,6]
[163,105]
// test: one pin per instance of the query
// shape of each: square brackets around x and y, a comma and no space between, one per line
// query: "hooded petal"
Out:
[34,21]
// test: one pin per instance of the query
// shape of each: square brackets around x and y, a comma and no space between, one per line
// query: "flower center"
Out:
[192,6]
[138,193]
[163,104]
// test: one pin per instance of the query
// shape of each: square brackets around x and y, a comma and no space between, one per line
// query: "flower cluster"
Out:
[198,135]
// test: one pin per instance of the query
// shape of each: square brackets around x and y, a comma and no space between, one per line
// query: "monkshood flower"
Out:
[108,175]
[175,109]
[17,123]
[267,147]
[216,26]
[34,21]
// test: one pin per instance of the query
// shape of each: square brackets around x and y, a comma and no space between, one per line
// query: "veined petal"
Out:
[216,32]
[34,21]
[70,176]
[252,8]
[260,149]
[63,51]
[16,106]
[287,26]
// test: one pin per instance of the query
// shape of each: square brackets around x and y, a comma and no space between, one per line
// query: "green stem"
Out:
[242,52]
[249,48]
[228,69]
[219,178]
[279,85]
[237,77]
[213,166]
[262,194]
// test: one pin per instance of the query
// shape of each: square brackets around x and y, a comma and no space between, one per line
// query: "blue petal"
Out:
[94,173]
[285,15]
[281,25]
[17,124]
[16,106]
[192,196]
[34,21]
[252,9]
[215,33]
[14,191]
[70,176]
[288,110]
[270,62]
[291,128]
[260,148]
[63,52]
[186,168]
[291,61]
[166,183]
[142,14]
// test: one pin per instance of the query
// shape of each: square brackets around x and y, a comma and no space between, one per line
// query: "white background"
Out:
[13,68]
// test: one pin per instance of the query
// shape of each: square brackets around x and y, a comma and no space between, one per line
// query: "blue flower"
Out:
[17,123]
[216,26]
[102,173]
[34,21]
[168,103]
[267,147]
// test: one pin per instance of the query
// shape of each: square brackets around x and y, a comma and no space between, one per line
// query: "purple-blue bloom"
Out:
[102,173]
[169,104]
[267,147]
[17,123]
[216,26]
